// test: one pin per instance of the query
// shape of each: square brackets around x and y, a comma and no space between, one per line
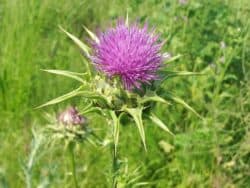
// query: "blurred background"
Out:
[213,38]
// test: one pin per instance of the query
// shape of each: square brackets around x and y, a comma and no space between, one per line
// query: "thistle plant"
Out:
[71,128]
[125,69]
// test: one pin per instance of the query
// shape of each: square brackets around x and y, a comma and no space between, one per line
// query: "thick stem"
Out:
[73,164]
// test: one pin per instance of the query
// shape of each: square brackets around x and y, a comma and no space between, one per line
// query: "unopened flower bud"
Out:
[71,117]
[183,2]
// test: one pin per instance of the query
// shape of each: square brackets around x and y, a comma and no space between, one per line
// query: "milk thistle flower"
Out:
[130,52]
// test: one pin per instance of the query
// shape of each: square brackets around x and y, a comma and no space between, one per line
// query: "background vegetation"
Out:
[213,37]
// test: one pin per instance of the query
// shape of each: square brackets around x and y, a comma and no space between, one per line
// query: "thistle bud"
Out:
[71,117]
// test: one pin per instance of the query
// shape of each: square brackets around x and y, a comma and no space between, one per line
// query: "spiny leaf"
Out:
[136,113]
[62,98]
[159,123]
[152,97]
[74,93]
[182,102]
[79,43]
[69,74]
[92,35]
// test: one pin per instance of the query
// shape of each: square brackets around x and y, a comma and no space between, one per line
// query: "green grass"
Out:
[209,152]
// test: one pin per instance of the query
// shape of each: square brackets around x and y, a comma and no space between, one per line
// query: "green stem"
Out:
[28,178]
[114,166]
[73,164]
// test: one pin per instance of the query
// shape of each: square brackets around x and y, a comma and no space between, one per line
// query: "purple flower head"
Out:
[130,52]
